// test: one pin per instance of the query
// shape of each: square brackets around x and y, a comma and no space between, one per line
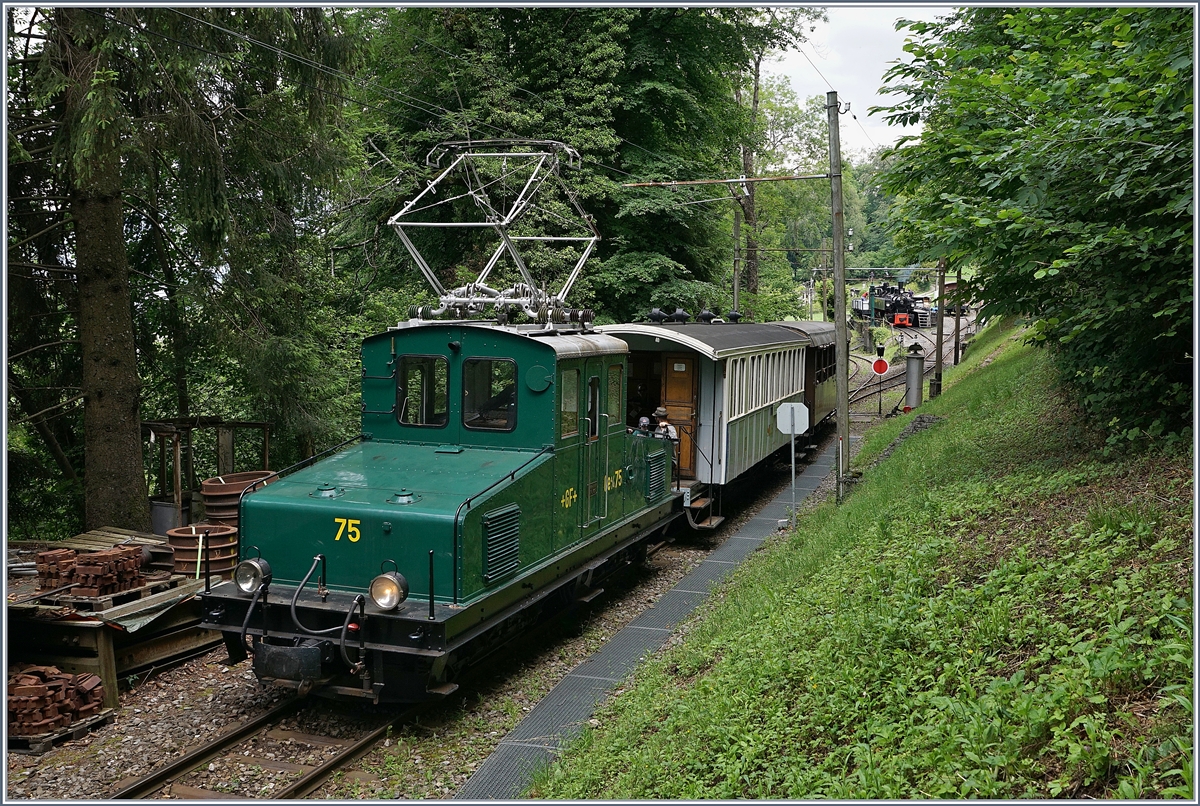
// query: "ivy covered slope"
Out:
[992,612]
[1057,156]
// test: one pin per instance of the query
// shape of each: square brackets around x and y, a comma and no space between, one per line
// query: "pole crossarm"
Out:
[742,181]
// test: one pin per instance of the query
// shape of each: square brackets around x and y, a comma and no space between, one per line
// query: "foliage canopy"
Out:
[1057,155]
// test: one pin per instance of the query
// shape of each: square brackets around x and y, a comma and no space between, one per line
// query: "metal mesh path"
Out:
[561,714]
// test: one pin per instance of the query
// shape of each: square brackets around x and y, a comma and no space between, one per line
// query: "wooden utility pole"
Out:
[839,290]
[935,385]
[958,303]
[737,254]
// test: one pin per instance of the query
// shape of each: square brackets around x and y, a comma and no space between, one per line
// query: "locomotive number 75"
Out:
[348,526]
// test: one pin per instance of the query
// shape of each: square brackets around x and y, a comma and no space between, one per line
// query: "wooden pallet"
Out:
[161,553]
[45,742]
[110,600]
[104,538]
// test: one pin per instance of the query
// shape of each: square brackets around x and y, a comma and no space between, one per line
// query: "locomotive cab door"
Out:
[603,453]
[593,472]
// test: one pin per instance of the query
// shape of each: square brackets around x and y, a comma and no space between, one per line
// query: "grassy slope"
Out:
[993,612]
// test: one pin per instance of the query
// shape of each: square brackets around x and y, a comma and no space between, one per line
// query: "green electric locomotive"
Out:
[494,479]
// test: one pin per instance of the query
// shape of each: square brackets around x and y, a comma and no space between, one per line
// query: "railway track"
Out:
[897,374]
[247,747]
[300,759]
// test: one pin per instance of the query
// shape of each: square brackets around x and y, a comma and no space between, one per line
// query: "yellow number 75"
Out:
[350,527]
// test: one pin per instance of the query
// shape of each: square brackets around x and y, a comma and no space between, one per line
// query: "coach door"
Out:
[679,385]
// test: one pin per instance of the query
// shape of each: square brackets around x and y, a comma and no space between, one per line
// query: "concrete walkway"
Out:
[560,715]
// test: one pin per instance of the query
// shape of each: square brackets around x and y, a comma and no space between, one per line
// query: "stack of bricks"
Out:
[42,699]
[111,571]
[55,568]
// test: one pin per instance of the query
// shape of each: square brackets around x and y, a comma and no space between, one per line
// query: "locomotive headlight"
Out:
[389,590]
[250,574]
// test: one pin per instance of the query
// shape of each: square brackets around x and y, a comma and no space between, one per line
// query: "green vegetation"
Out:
[247,161]
[993,612]
[1057,158]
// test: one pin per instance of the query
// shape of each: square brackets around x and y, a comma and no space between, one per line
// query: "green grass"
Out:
[993,612]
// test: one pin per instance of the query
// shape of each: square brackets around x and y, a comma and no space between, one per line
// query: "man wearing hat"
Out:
[664,430]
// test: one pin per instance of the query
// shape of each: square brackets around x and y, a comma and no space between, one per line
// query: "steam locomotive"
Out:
[892,304]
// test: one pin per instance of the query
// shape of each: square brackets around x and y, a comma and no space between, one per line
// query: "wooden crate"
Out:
[111,600]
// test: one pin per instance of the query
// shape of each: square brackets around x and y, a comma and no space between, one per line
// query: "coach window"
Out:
[489,394]
[421,397]
[743,384]
[735,378]
[570,402]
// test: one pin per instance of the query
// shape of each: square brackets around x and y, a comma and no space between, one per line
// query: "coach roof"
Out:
[718,340]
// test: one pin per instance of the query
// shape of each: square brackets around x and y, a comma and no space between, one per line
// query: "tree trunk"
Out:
[746,199]
[115,491]
[177,332]
[751,215]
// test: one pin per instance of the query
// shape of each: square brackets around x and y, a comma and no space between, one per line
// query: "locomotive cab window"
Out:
[614,393]
[593,408]
[489,394]
[421,396]
[570,402]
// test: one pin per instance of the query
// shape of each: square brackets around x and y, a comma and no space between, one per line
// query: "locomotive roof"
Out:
[569,344]
[820,333]
[716,341]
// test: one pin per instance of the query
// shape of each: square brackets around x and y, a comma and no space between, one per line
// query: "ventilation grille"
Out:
[656,474]
[501,542]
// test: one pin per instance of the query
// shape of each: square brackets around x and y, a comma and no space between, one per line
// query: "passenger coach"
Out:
[721,384]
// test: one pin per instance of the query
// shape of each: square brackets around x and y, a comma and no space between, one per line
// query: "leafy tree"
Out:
[872,241]
[133,114]
[796,215]
[644,94]
[1057,156]
[766,31]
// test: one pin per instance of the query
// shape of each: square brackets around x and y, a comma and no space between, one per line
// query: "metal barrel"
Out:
[914,377]
[221,548]
[222,493]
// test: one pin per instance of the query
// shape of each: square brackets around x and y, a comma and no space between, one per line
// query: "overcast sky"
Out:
[852,51]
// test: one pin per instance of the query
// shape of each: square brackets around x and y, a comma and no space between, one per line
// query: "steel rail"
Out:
[149,784]
[312,780]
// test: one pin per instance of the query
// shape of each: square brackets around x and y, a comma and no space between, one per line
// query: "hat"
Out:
[660,413]
[643,422]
